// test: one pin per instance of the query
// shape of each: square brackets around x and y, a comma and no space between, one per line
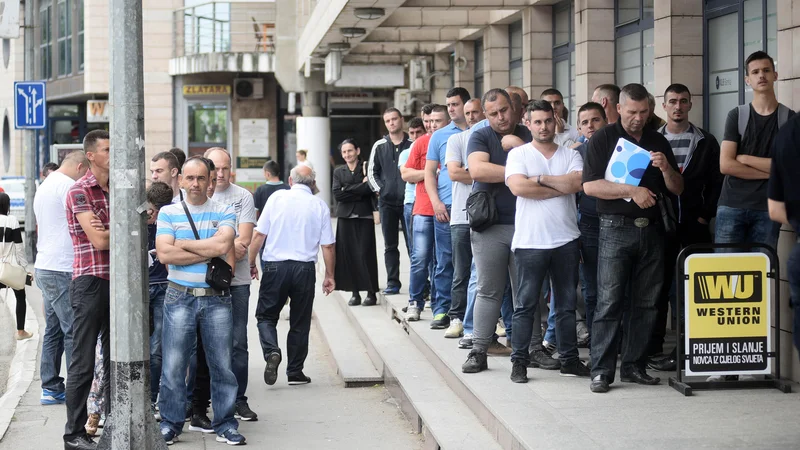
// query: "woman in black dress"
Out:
[356,257]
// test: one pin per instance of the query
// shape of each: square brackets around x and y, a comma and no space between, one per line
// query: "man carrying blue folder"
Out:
[631,244]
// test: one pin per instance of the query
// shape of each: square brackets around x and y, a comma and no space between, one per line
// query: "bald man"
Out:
[522,95]
[243,205]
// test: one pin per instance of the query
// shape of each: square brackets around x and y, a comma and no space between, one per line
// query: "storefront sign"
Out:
[207,89]
[97,111]
[722,82]
[251,163]
[254,137]
[249,176]
[728,319]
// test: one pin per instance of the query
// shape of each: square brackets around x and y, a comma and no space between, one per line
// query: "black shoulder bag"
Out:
[482,209]
[668,216]
[219,273]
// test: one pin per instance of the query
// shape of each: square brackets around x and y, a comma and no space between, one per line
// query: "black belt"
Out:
[638,222]
[199,292]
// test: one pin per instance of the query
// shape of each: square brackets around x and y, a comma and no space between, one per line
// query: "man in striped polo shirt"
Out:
[190,304]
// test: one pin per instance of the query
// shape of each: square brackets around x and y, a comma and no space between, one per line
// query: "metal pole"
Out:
[131,425]
[30,140]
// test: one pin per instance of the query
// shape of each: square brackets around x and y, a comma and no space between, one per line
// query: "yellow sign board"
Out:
[728,312]
[206,89]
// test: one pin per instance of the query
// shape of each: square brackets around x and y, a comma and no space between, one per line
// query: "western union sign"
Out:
[207,89]
[728,301]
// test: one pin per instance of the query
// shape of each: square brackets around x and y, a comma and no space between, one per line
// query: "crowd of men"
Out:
[504,204]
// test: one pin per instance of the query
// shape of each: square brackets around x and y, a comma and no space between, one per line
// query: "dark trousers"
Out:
[391,217]
[296,281]
[590,235]
[462,263]
[89,296]
[688,234]
[626,255]
[535,267]
[201,393]
[19,294]
[793,267]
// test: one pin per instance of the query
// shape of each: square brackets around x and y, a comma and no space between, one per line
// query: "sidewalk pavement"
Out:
[321,415]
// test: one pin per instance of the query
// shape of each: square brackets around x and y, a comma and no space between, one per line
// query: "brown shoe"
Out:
[496,348]
[92,423]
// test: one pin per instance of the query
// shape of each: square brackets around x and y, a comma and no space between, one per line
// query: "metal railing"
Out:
[224,27]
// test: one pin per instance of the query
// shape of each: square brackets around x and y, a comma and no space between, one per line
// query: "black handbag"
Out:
[668,216]
[219,273]
[482,209]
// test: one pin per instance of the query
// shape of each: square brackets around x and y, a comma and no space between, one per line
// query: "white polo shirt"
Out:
[296,223]
[55,245]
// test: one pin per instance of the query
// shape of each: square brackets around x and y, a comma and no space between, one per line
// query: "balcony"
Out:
[224,36]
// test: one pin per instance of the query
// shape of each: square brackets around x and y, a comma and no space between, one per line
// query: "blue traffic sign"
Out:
[30,106]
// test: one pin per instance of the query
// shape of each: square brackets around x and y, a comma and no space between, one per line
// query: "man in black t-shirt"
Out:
[631,244]
[745,158]
[491,248]
[784,202]
[274,184]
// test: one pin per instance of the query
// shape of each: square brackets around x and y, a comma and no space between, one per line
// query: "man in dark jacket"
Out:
[384,178]
[697,154]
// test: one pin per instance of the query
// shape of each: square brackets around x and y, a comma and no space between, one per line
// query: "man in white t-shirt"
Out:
[243,204]
[545,178]
[54,272]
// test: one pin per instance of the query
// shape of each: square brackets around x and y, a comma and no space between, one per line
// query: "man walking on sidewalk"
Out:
[294,224]
[54,272]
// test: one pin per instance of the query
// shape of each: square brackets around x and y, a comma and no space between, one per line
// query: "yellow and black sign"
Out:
[249,162]
[207,89]
[728,299]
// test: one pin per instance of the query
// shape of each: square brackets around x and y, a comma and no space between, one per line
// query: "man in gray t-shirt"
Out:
[242,202]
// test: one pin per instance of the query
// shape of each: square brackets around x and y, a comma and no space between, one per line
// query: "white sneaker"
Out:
[413,314]
[455,330]
[501,328]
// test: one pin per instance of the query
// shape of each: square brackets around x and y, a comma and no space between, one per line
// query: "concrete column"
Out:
[465,77]
[594,47]
[441,83]
[678,32]
[495,57]
[788,92]
[314,135]
[537,49]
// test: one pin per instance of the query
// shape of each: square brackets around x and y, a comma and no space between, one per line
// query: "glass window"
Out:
[634,49]
[627,10]
[80,35]
[564,54]
[45,42]
[64,38]
[62,111]
[561,22]
[479,67]
[208,123]
[628,59]
[515,54]
[723,70]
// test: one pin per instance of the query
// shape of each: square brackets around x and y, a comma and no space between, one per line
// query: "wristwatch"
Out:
[539,180]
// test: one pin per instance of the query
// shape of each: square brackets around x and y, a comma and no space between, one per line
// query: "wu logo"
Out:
[715,287]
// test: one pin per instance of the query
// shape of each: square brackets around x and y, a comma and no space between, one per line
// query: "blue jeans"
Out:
[590,234]
[407,219]
[550,333]
[421,257]
[58,330]
[533,266]
[737,225]
[157,292]
[631,257]
[183,313]
[472,290]
[793,267]
[240,303]
[443,276]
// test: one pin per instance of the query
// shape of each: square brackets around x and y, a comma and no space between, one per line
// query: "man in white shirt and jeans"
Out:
[545,178]
[54,272]
[295,224]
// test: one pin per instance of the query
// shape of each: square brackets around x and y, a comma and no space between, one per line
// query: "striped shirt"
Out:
[208,218]
[680,144]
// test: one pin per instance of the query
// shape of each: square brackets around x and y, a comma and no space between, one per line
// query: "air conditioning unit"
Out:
[404,101]
[419,79]
[248,88]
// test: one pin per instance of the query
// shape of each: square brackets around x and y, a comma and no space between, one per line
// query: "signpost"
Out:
[30,105]
[729,302]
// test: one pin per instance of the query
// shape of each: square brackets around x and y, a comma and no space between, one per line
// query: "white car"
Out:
[15,188]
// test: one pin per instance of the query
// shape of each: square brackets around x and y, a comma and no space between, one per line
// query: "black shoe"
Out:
[476,362]
[80,443]
[575,369]
[638,376]
[465,342]
[519,372]
[371,300]
[667,364]
[441,322]
[599,384]
[391,290]
[243,412]
[299,378]
[188,412]
[201,423]
[271,369]
[354,300]
[404,309]
[541,360]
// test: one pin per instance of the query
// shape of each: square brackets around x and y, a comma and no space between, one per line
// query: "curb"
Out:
[23,365]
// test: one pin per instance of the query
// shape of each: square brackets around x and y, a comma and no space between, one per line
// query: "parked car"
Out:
[15,188]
